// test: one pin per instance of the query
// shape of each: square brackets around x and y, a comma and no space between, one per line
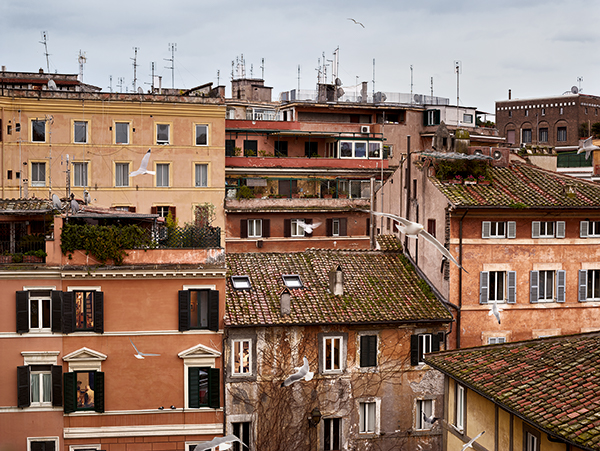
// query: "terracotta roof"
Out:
[378,287]
[25,206]
[551,383]
[524,186]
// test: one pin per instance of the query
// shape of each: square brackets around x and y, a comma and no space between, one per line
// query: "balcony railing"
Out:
[189,237]
[263,115]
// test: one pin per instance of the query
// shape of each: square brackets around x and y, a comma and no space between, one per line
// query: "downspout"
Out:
[407,182]
[460,279]
[3,124]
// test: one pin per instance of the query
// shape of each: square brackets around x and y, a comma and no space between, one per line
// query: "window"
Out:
[543,111]
[543,135]
[496,340]
[297,230]
[292,281]
[526,135]
[430,227]
[367,414]
[38,174]
[335,227]
[230,147]
[242,431]
[526,113]
[281,148]
[80,174]
[199,309]
[531,438]
[201,175]
[163,134]
[250,148]
[202,135]
[241,282]
[203,387]
[547,229]
[498,229]
[424,406]
[39,385]
[40,309]
[163,211]
[83,310]
[162,174]
[547,286]
[432,117]
[41,388]
[510,136]
[80,132]
[332,434]
[42,444]
[354,149]
[497,286]
[121,133]
[332,352]
[375,150]
[468,118]
[311,149]
[510,114]
[421,344]
[561,134]
[254,228]
[84,390]
[368,350]
[459,413]
[589,229]
[241,355]
[38,131]
[121,174]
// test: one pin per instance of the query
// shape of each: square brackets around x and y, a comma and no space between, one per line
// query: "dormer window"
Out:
[241,282]
[292,281]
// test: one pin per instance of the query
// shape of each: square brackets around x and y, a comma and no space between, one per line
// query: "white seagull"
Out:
[301,373]
[587,146]
[87,198]
[222,442]
[357,23]
[415,230]
[308,228]
[143,166]
[494,310]
[141,355]
[430,419]
[75,206]
[470,443]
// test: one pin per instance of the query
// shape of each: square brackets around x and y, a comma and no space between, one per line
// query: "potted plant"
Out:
[457,180]
[482,181]
[470,180]
[343,194]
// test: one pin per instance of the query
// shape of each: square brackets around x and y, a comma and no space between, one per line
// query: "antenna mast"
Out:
[135,65]
[411,84]
[262,67]
[298,94]
[364,100]
[120,82]
[82,60]
[457,69]
[432,89]
[172,48]
[45,42]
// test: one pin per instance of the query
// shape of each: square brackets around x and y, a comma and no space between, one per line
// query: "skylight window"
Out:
[292,281]
[241,282]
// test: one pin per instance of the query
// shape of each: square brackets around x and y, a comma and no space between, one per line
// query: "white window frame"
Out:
[125,177]
[590,284]
[39,300]
[368,416]
[496,340]
[201,175]
[80,171]
[37,181]
[459,408]
[543,281]
[162,141]
[429,407]
[425,345]
[160,176]
[85,125]
[335,227]
[589,229]
[234,354]
[56,441]
[196,135]
[329,341]
[296,231]
[540,229]
[127,127]
[467,118]
[497,275]
[41,375]
[254,228]
[531,442]
[352,145]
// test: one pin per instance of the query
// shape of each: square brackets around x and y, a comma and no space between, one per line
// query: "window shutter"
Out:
[69,384]
[484,278]
[172,210]
[425,123]
[535,229]
[438,339]
[368,350]
[560,229]
[214,388]
[99,391]
[184,310]
[329,227]
[266,228]
[368,232]
[153,210]
[512,287]
[132,209]
[68,319]
[511,227]
[438,117]
[308,221]
[344,227]
[560,285]
[534,281]
[287,227]
[22,312]
[23,386]
[57,311]
[414,350]
[583,229]
[57,386]
[213,310]
[485,229]
[582,285]
[243,228]
[99,312]
[193,388]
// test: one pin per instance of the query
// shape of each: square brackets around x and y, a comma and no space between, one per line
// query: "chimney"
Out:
[41,70]
[363,91]
[336,281]
[285,297]
[3,68]
[509,94]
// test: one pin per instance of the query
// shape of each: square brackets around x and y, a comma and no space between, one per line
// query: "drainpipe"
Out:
[407,181]
[4,126]
[460,279]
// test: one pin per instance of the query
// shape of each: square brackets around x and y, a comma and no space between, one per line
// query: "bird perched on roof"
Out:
[494,310]
[357,23]
[87,198]
[301,373]
[141,355]
[222,442]
[587,146]
[415,230]
[308,228]
[143,166]
[469,444]
[429,419]
[74,204]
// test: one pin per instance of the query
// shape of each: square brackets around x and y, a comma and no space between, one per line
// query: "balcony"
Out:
[281,205]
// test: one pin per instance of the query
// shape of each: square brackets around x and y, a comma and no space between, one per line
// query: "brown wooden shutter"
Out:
[172,211]
[214,388]
[22,312]
[308,221]
[99,312]
[329,227]
[57,311]
[99,391]
[68,318]
[57,386]
[23,386]
[344,227]
[266,228]
[287,227]
[243,228]
[414,350]
[213,310]
[184,310]
[153,210]
[69,384]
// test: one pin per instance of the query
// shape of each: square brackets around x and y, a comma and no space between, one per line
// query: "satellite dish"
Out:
[478,152]
[497,155]
[574,89]
[140,90]
[338,82]
[75,206]
[56,202]
[340,92]
[52,85]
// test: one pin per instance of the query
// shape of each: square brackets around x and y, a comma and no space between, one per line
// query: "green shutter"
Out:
[23,386]
[214,388]
[213,310]
[22,312]
[57,311]
[70,396]
[68,319]
[99,312]
[57,400]
[99,391]
[193,388]
[184,310]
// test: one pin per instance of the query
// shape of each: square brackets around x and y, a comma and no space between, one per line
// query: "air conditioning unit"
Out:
[365,129]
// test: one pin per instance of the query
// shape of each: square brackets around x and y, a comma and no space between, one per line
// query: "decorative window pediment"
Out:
[85,359]
[199,355]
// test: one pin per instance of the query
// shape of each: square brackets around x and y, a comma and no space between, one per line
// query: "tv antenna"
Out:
[411,83]
[218,76]
[81,60]
[120,82]
[135,65]
[579,80]
[262,67]
[172,49]
[457,71]
[45,42]
[110,83]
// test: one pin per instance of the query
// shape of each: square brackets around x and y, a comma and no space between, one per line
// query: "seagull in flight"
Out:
[141,355]
[431,419]
[222,442]
[494,310]
[308,228]
[357,23]
[301,373]
[415,230]
[470,443]
[587,146]
[143,166]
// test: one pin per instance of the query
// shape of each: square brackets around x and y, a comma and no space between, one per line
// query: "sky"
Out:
[532,47]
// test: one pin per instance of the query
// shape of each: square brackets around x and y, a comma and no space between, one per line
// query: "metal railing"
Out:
[187,237]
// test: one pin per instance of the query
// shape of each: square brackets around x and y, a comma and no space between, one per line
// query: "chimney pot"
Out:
[336,281]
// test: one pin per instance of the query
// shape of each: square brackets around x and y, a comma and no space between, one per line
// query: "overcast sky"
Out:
[533,47]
